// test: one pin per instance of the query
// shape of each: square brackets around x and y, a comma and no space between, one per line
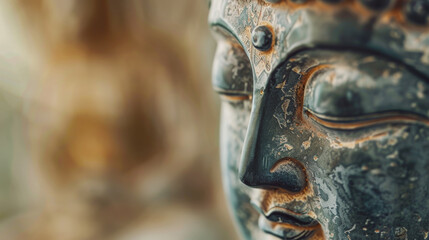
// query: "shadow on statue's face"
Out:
[333,144]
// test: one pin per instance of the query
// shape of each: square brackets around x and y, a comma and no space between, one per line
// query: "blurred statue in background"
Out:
[119,140]
[325,117]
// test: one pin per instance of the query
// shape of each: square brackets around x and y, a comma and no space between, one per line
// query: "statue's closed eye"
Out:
[346,98]
[232,72]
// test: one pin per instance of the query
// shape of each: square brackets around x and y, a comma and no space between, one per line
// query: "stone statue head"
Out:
[325,117]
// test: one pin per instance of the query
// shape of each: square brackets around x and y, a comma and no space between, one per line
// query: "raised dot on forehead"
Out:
[262,38]
[376,5]
[417,11]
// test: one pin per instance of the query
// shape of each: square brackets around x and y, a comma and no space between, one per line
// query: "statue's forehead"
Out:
[316,24]
[240,17]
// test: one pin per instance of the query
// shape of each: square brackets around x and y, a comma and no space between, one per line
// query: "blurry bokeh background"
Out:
[108,122]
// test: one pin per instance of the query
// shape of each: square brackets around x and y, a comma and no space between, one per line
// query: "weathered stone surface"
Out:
[325,135]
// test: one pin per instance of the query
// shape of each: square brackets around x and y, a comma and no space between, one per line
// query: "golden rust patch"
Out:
[360,140]
[281,85]
[236,97]
[280,196]
[285,107]
[306,144]
[300,88]
[286,161]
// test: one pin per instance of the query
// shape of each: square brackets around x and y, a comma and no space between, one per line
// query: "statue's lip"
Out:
[285,227]
[284,215]
[284,223]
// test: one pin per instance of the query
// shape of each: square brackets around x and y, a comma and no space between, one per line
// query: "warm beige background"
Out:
[108,121]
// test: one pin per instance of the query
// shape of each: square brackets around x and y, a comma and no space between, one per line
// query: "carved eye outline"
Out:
[368,120]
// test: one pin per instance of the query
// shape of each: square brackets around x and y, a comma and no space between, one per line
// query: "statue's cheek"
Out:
[377,178]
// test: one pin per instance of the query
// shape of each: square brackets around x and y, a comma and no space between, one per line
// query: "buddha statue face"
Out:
[325,117]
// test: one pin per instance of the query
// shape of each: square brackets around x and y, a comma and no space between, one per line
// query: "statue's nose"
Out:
[258,168]
[272,153]
[287,174]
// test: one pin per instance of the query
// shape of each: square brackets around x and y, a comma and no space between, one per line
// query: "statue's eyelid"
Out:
[351,123]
